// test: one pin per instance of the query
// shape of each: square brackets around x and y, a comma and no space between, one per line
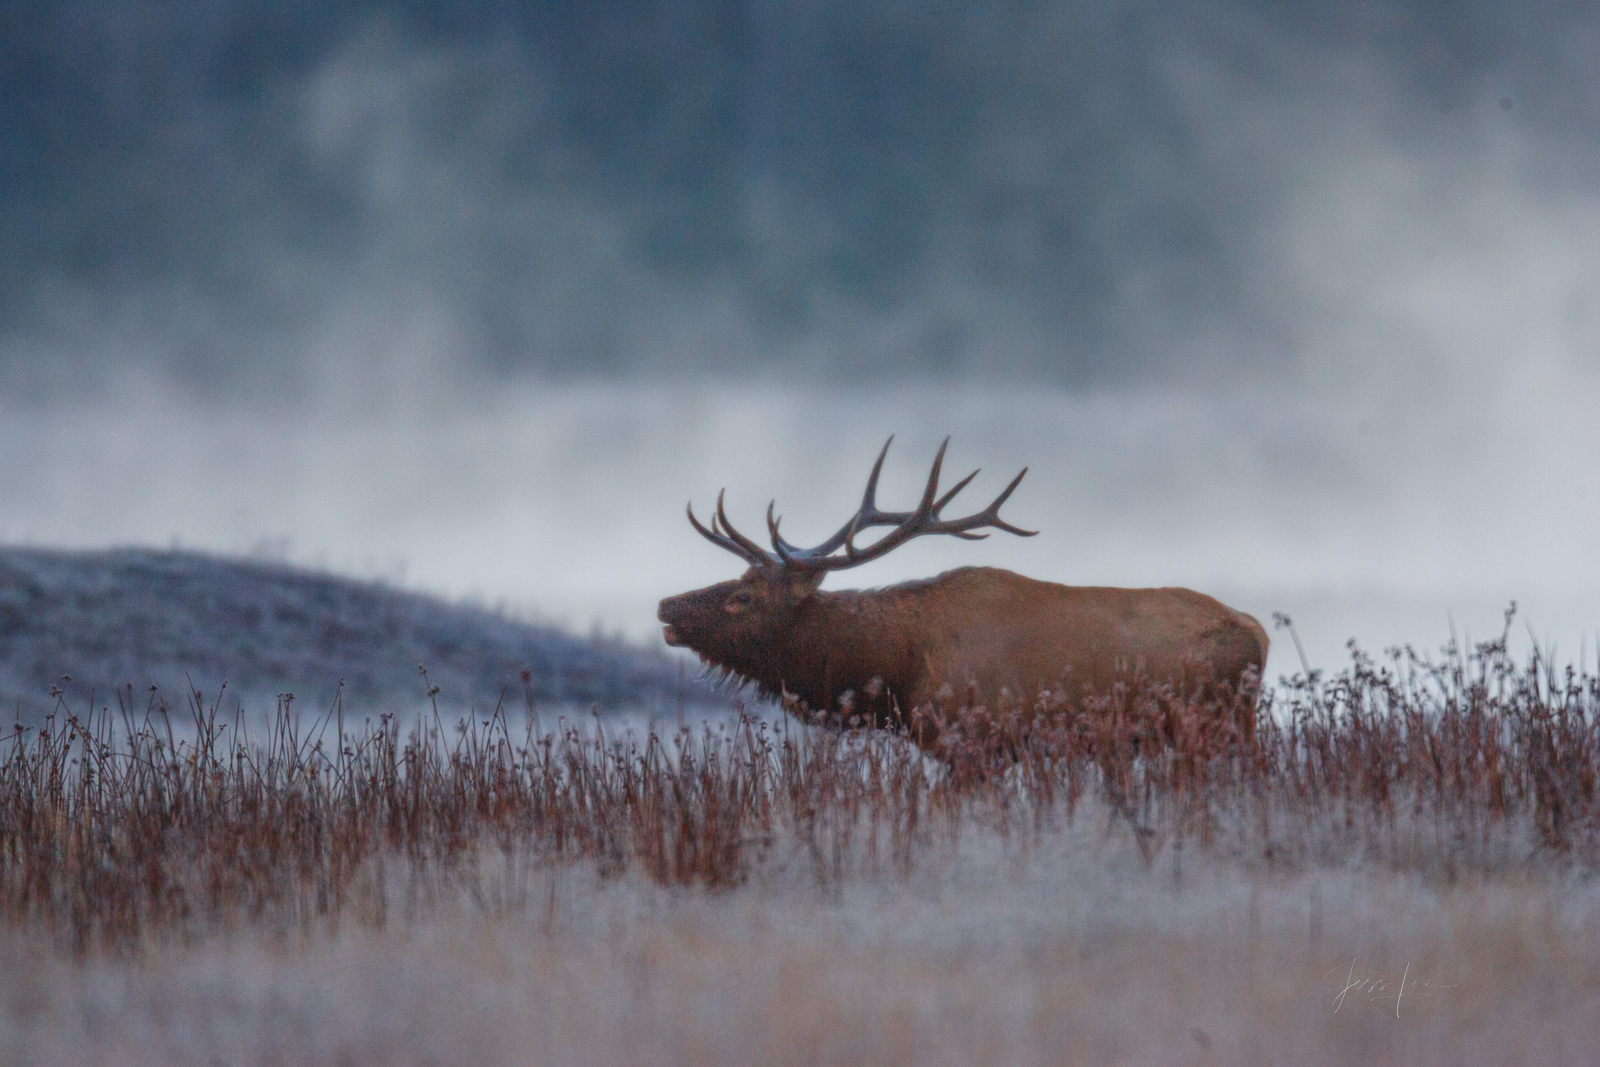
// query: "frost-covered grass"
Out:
[1398,868]
[179,620]
[1073,954]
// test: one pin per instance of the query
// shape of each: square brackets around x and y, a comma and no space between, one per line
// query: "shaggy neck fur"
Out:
[838,644]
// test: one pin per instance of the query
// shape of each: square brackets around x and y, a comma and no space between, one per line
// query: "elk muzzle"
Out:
[673,613]
[668,633]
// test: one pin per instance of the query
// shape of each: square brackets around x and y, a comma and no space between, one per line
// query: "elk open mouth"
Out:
[670,636]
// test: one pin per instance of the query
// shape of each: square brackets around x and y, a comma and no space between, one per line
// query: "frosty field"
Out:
[1072,954]
[1398,869]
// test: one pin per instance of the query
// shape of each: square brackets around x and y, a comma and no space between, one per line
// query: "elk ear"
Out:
[804,583]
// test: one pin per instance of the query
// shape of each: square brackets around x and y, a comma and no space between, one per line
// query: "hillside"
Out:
[142,617]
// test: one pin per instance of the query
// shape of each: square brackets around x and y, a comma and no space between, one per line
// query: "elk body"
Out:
[975,636]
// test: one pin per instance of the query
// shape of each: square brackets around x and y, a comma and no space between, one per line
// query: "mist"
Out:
[1302,311]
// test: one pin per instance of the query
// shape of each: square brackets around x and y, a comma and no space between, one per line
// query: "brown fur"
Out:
[974,628]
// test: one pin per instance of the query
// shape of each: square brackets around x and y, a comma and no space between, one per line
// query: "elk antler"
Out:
[733,540]
[907,524]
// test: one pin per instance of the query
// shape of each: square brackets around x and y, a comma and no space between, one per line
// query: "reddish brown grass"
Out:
[117,833]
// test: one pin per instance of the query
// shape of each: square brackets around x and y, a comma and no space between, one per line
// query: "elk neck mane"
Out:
[840,640]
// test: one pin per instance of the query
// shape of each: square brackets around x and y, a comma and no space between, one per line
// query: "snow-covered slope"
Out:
[141,617]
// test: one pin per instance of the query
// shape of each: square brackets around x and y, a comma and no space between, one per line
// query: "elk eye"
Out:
[740,599]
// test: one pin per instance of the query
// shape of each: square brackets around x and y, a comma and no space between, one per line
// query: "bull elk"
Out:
[988,634]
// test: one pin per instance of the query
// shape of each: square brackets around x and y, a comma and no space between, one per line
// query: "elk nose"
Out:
[668,634]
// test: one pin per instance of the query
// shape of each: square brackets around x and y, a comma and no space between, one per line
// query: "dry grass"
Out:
[1137,884]
[1074,956]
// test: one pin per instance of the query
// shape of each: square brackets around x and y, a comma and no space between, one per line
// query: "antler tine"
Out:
[755,553]
[713,535]
[869,499]
[740,547]
[952,491]
[866,516]
[925,520]
[784,549]
[714,538]
[991,514]
[932,490]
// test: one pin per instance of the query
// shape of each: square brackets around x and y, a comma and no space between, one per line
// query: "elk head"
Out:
[746,625]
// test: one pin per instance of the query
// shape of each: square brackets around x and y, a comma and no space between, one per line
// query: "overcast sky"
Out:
[1303,309]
